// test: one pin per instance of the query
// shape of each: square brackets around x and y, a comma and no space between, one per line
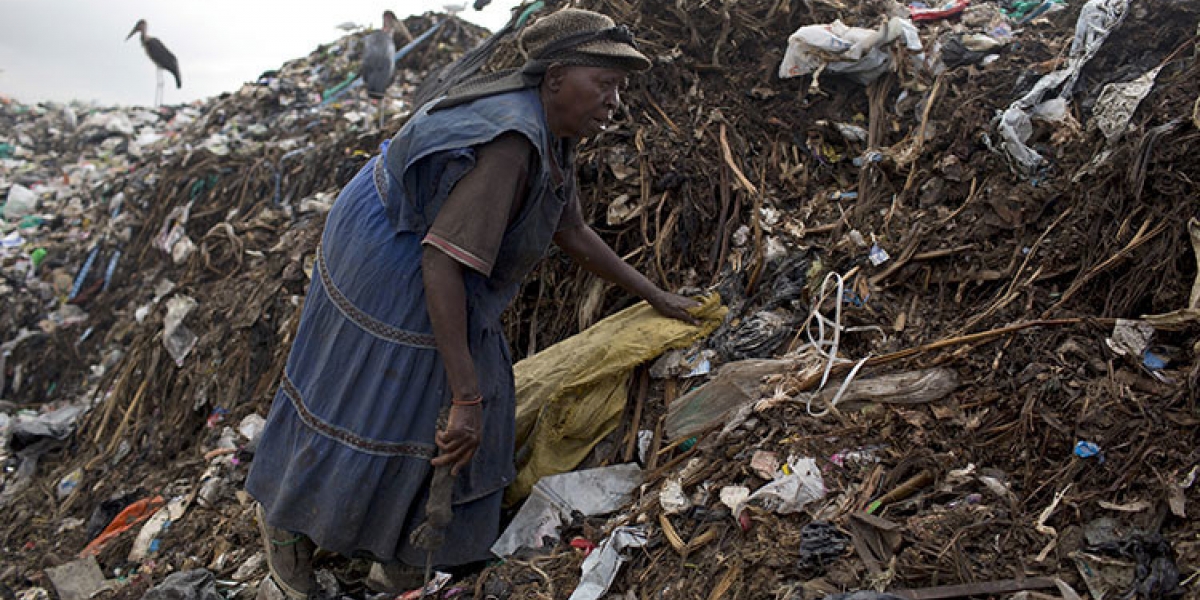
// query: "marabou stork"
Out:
[163,59]
[378,64]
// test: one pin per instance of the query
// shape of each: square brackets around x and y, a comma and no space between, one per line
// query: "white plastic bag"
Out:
[178,339]
[859,52]
[554,498]
[790,492]
[21,202]
[1097,19]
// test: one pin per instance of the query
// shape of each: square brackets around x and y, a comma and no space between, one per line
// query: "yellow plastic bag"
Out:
[571,395]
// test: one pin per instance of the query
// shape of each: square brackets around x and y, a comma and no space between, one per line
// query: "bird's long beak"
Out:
[131,32]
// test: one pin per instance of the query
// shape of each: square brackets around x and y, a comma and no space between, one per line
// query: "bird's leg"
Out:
[381,105]
[158,87]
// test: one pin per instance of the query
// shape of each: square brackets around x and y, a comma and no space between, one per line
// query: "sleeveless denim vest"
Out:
[428,133]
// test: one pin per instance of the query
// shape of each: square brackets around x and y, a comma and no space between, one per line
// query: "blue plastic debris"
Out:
[83,272]
[112,266]
[1153,361]
[878,255]
[1085,449]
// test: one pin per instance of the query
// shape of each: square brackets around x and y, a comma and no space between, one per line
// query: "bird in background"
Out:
[378,63]
[162,58]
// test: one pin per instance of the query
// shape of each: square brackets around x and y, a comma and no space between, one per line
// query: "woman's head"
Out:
[587,59]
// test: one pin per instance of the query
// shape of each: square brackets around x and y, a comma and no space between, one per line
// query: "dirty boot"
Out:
[394,578]
[289,558]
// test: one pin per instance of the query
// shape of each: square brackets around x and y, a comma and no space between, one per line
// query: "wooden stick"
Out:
[671,534]
[643,386]
[717,254]
[118,389]
[811,381]
[654,476]
[970,197]
[737,172]
[661,234]
[985,588]
[726,582]
[943,253]
[137,401]
[1139,238]
[639,142]
[912,173]
[661,113]
[652,459]
[902,491]
[760,253]
[820,229]
[1011,293]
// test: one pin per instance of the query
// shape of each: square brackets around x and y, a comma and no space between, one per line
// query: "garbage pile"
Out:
[152,261]
[957,243]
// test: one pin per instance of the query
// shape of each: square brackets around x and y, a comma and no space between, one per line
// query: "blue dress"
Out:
[344,457]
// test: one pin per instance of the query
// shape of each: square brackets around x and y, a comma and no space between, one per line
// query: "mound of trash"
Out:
[957,243]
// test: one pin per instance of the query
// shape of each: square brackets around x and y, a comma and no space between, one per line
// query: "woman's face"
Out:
[580,101]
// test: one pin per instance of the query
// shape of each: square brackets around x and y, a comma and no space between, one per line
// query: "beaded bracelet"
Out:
[468,401]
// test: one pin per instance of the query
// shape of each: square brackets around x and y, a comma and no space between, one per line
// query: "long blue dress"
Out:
[344,457]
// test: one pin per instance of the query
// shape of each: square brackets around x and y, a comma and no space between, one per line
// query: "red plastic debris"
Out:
[745,521]
[132,515]
[941,11]
[583,544]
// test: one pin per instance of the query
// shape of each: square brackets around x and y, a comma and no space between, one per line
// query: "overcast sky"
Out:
[76,50]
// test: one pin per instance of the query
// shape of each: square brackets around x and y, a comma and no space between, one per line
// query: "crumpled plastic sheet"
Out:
[790,492]
[197,584]
[756,337]
[862,53]
[555,498]
[1097,19]
[1118,102]
[821,543]
[177,338]
[956,54]
[29,437]
[1156,575]
[1130,337]
[601,566]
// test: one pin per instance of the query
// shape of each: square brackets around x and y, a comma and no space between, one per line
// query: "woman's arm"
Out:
[585,247]
[446,301]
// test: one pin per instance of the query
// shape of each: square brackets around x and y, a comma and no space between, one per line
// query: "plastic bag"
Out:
[1118,102]
[554,499]
[178,339]
[572,394]
[792,490]
[1097,19]
[860,52]
[22,201]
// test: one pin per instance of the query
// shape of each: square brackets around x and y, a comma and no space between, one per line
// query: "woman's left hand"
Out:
[674,306]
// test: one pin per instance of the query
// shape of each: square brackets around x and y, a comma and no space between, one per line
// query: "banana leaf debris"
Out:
[959,254]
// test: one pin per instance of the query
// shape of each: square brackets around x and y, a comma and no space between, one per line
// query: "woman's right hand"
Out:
[458,442]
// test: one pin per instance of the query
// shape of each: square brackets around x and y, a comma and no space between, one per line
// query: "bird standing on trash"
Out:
[378,64]
[163,59]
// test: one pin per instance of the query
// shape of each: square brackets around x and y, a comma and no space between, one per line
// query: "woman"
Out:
[421,254]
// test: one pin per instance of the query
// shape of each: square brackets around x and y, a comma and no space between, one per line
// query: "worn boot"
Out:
[289,557]
[394,578]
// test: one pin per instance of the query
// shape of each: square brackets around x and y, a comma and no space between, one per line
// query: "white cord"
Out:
[820,343]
